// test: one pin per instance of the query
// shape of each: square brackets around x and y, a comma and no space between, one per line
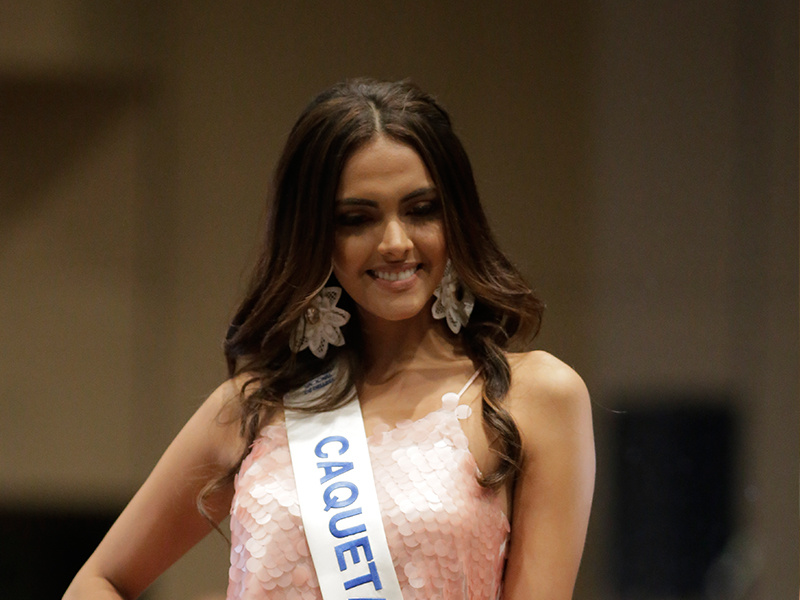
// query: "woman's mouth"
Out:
[394,275]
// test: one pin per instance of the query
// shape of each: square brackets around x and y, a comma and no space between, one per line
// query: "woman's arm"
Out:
[553,494]
[162,522]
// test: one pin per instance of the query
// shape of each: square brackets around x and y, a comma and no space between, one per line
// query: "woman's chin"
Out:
[407,316]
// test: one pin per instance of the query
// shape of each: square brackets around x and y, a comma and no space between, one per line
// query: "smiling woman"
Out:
[389,252]
[386,430]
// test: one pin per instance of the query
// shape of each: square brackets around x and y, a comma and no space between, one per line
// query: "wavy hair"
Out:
[294,262]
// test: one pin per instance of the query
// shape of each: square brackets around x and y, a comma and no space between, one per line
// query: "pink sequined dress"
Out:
[447,535]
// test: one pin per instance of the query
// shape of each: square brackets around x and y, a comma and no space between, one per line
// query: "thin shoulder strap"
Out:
[469,383]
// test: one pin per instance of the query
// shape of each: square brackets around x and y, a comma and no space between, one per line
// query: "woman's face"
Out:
[389,253]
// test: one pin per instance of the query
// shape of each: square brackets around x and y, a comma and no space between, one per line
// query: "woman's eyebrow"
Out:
[430,190]
[355,201]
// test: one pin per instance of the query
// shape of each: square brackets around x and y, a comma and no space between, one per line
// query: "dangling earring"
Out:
[320,324]
[448,305]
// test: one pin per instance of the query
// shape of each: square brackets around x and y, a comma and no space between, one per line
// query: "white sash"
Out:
[338,501]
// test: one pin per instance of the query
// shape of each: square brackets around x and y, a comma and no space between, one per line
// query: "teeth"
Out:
[395,276]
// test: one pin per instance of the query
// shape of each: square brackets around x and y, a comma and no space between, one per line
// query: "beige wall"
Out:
[637,162]
[693,134]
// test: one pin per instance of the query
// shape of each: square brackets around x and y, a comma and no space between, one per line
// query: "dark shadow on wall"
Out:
[41,549]
[674,486]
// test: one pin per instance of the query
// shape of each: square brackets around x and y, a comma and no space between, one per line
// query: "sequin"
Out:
[447,535]
[380,428]
[416,582]
[253,565]
[463,412]
[300,575]
[450,401]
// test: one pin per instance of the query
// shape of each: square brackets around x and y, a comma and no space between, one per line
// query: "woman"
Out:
[379,278]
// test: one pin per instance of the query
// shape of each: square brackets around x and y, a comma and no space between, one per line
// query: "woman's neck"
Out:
[394,346]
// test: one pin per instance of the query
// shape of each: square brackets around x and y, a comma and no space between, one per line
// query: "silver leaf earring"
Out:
[320,324]
[448,305]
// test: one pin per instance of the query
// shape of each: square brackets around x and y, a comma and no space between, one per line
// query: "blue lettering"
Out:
[336,502]
[331,438]
[352,547]
[340,533]
[372,577]
[333,469]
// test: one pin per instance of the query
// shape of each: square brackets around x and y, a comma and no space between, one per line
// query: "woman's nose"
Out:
[395,243]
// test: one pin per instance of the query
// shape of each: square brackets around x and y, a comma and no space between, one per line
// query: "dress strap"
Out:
[469,383]
[450,399]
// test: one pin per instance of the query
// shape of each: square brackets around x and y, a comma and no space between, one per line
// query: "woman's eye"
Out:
[351,219]
[428,208]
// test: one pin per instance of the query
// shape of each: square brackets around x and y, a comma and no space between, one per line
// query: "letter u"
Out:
[340,533]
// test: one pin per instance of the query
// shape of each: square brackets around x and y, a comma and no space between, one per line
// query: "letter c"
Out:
[330,439]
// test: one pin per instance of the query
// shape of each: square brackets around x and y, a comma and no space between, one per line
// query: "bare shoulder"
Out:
[219,418]
[545,391]
[540,376]
[225,398]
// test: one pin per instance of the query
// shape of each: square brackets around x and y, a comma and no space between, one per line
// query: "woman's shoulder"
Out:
[223,401]
[233,389]
[540,371]
[219,418]
[544,386]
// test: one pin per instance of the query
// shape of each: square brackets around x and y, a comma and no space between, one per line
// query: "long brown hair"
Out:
[294,262]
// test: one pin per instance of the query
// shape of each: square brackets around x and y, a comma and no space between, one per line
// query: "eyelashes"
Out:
[426,209]
[351,219]
[419,212]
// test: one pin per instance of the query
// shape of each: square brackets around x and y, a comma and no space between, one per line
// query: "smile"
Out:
[394,275]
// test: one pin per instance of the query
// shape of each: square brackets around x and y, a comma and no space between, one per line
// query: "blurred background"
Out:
[638,161]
